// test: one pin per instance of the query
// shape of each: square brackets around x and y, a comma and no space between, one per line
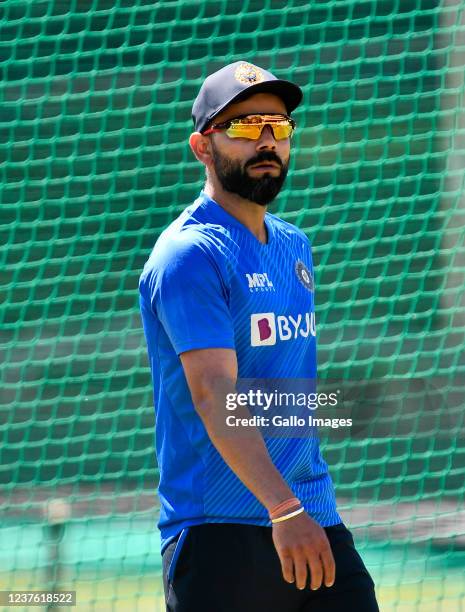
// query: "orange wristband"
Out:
[283,507]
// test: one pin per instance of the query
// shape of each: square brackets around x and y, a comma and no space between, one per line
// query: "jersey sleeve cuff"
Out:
[204,343]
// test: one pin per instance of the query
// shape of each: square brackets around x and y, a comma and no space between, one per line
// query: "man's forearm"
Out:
[246,454]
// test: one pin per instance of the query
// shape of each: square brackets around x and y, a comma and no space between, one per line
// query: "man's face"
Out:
[252,169]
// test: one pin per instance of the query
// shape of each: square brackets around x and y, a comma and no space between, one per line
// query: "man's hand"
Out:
[301,543]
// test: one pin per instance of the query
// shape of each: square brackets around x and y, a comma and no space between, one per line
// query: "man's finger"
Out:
[329,567]
[300,570]
[316,572]
[287,567]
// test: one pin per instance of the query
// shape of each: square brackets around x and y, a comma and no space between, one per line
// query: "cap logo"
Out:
[248,74]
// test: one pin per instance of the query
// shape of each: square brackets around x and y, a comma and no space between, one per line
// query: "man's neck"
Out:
[250,214]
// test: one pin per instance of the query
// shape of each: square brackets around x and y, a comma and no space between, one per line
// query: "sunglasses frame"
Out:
[221,127]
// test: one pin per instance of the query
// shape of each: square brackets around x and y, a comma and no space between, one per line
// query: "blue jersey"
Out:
[209,283]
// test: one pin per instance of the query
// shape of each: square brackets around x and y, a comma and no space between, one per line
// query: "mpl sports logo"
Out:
[266,327]
[259,282]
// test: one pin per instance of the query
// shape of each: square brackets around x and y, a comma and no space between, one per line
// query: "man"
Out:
[247,523]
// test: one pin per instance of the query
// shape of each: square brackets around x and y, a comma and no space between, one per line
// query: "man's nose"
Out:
[267,139]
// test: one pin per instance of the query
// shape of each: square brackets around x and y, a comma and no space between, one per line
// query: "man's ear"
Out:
[201,148]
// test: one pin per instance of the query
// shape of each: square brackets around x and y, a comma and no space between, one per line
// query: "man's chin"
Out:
[255,196]
[263,199]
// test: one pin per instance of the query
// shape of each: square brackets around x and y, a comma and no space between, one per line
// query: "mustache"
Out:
[266,156]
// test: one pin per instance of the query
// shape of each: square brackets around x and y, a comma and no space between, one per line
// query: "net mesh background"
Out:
[95,102]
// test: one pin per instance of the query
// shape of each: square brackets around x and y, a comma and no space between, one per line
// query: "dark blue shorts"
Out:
[235,568]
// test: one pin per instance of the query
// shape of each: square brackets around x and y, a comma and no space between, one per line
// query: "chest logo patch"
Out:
[304,275]
[259,282]
[266,328]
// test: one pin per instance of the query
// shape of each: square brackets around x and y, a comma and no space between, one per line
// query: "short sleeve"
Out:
[185,286]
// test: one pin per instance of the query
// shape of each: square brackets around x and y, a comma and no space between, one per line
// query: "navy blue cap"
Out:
[237,82]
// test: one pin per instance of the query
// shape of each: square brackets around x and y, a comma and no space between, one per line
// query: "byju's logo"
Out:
[259,282]
[263,329]
[266,327]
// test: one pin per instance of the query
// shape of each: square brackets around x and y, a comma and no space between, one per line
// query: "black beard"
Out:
[234,178]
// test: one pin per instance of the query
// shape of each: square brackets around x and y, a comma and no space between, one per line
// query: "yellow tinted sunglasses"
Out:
[251,126]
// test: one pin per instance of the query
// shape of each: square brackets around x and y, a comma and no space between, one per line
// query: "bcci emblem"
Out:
[247,74]
[304,275]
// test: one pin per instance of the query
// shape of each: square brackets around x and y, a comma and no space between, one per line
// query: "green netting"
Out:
[95,102]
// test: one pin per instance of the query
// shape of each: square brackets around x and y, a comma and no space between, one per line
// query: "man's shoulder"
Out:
[190,241]
[185,238]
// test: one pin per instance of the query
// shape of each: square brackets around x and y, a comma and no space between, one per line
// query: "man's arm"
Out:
[299,541]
